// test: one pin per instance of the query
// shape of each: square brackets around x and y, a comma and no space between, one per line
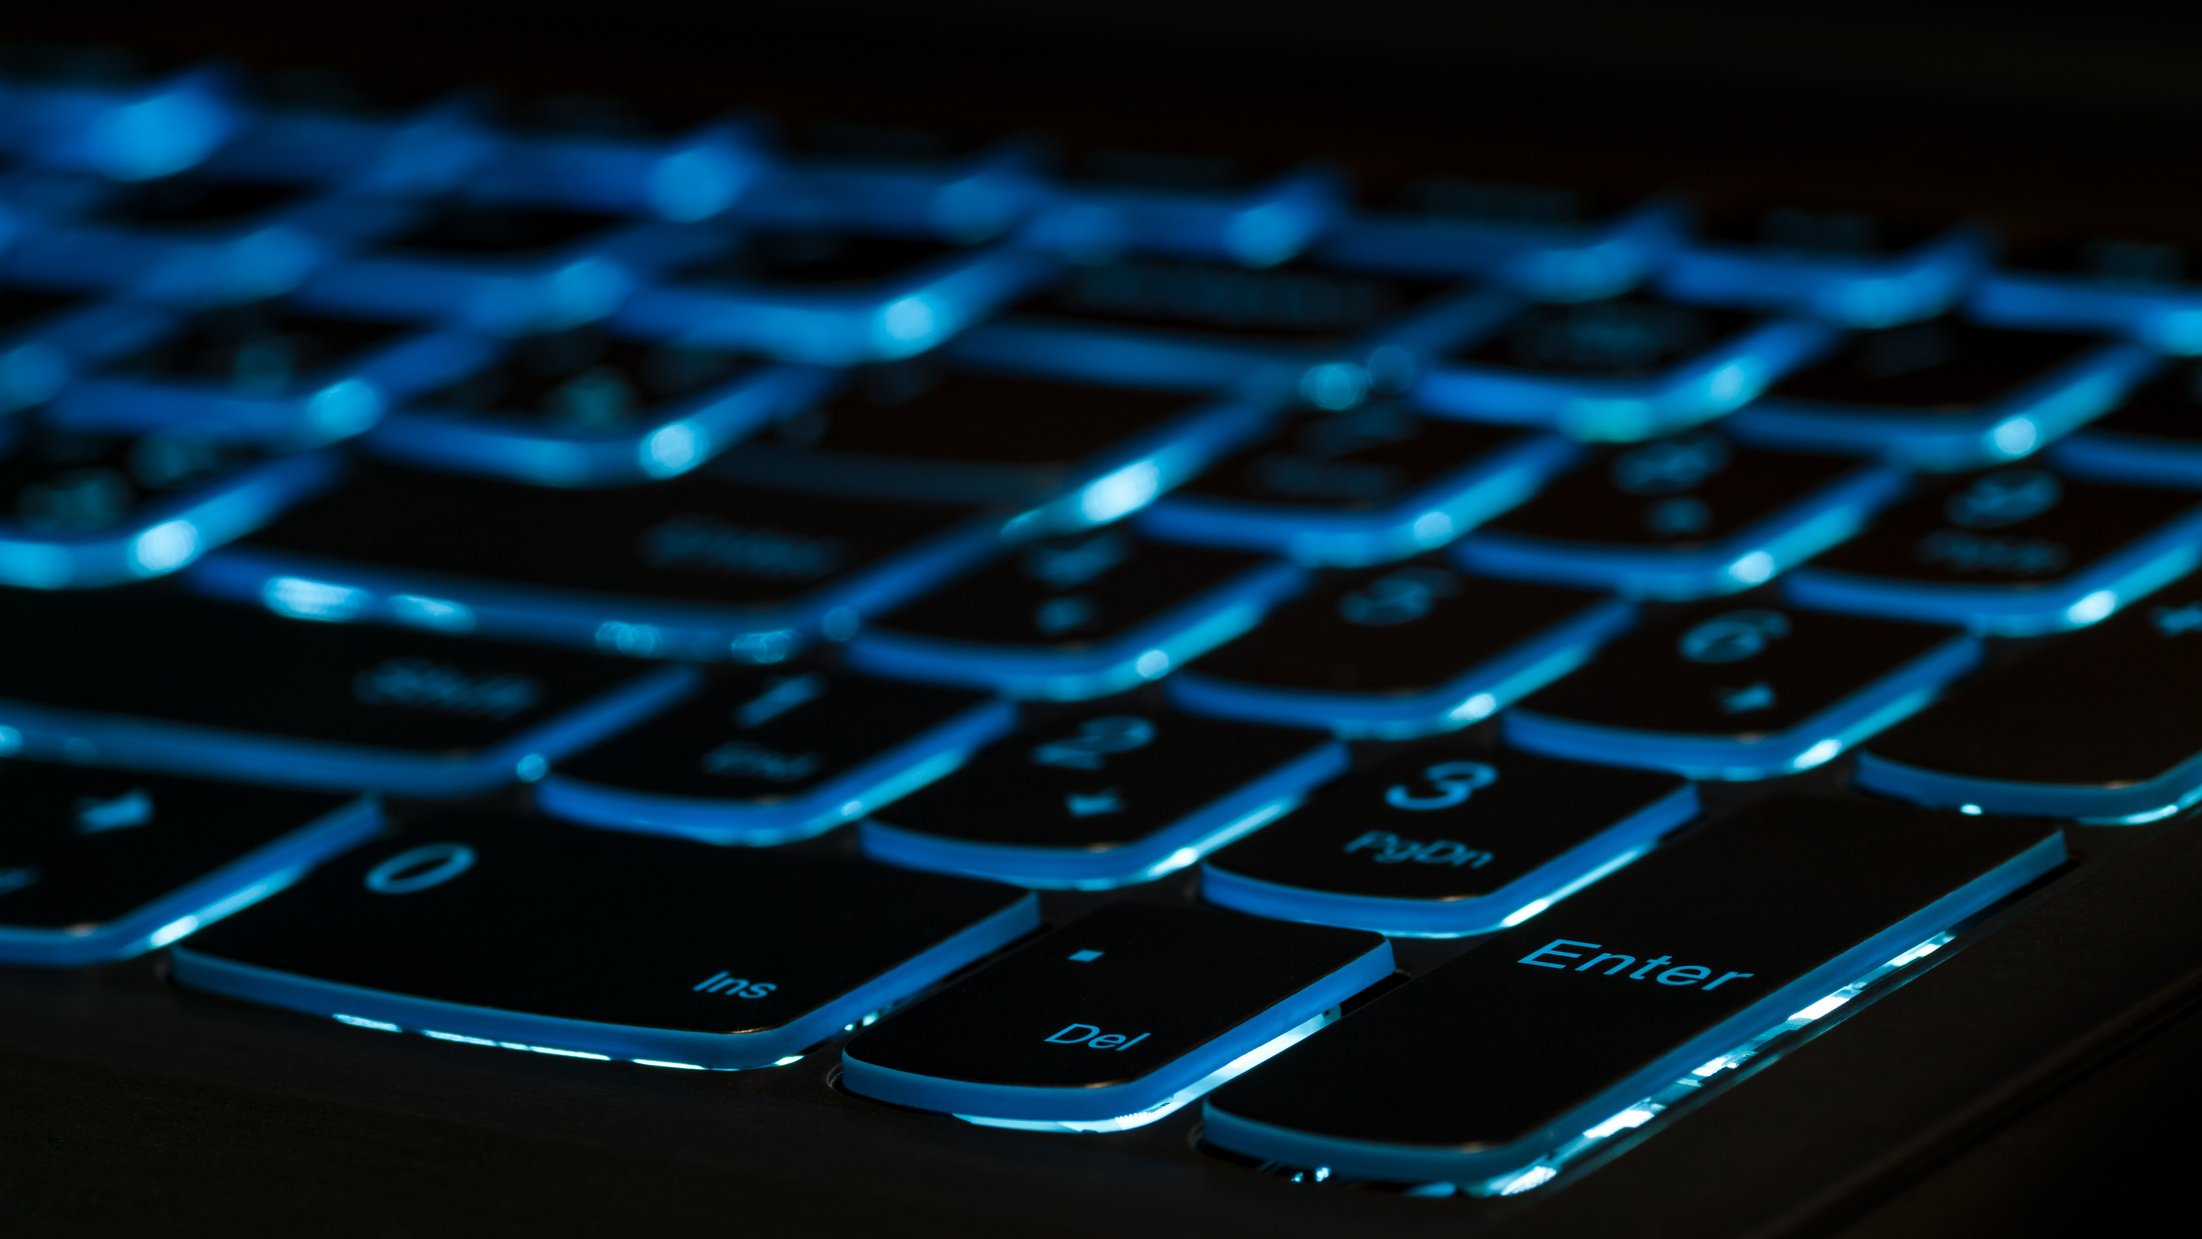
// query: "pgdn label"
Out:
[1386,848]
[424,684]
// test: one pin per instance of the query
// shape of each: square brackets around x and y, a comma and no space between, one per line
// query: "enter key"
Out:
[1540,1034]
[1116,1019]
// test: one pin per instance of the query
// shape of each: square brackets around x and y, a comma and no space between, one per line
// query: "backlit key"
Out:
[1841,264]
[1102,796]
[99,865]
[494,931]
[146,678]
[1741,689]
[1075,617]
[1114,1020]
[767,756]
[1445,839]
[2123,742]
[2014,552]
[1473,1071]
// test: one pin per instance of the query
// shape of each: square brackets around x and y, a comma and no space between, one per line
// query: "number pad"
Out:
[1741,689]
[2123,743]
[496,931]
[1408,650]
[767,756]
[2016,551]
[1102,796]
[1681,517]
[100,865]
[1443,840]
[1360,486]
[1076,617]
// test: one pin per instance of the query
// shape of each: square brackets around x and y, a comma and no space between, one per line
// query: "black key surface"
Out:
[1075,616]
[765,756]
[260,349]
[1103,795]
[1110,1017]
[500,930]
[473,231]
[2014,550]
[1816,231]
[813,258]
[1445,839]
[1296,303]
[192,203]
[1669,517]
[1495,1059]
[61,484]
[2098,724]
[1741,688]
[2115,261]
[1396,651]
[693,563]
[147,678]
[586,379]
[1940,365]
[1632,336]
[915,429]
[101,864]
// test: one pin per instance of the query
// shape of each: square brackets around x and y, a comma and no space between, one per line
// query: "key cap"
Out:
[1558,243]
[1359,487]
[1622,990]
[100,865]
[1864,269]
[2121,745]
[2014,552]
[835,299]
[1114,1020]
[594,155]
[1743,688]
[2154,436]
[1946,394]
[267,372]
[506,269]
[125,125]
[194,240]
[584,407]
[1681,517]
[1400,652]
[770,756]
[1624,368]
[155,680]
[1076,454]
[82,510]
[47,338]
[690,567]
[2138,287]
[1077,617]
[1443,840]
[1194,205]
[896,179]
[1332,333]
[343,133]
[487,929]
[1102,796]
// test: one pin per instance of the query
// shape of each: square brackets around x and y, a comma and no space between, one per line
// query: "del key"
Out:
[1482,1066]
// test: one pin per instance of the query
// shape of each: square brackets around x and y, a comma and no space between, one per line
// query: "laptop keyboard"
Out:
[1033,637]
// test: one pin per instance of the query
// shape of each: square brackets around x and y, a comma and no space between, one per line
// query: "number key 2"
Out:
[1444,840]
[1104,795]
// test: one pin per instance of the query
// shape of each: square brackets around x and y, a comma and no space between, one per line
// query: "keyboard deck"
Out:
[1079,642]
